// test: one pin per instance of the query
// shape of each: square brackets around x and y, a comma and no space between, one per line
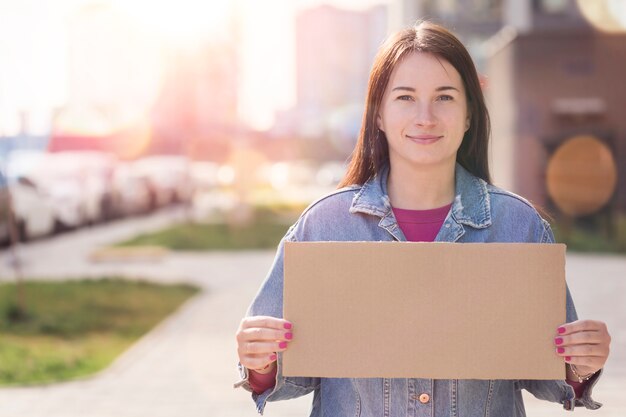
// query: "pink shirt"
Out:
[421,225]
[261,382]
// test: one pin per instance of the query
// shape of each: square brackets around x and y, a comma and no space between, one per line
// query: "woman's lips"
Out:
[424,139]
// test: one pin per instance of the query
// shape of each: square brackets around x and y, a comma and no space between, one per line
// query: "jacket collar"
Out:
[471,205]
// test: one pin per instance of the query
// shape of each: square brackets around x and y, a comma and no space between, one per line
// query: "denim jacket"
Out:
[479,213]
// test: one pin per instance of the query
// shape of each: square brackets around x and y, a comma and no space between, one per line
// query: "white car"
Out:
[55,184]
[34,214]
[92,172]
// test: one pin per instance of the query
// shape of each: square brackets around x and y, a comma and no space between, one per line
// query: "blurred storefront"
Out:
[557,98]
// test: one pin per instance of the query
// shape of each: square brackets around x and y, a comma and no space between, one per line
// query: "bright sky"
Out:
[34,52]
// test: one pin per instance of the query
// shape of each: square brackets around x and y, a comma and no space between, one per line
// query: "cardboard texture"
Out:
[424,310]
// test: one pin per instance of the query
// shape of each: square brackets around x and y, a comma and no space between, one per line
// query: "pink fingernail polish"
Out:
[288,336]
[272,357]
[558,340]
[282,345]
[287,326]
[568,358]
[561,330]
[560,350]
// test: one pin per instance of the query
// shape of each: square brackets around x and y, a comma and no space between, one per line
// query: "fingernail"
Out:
[272,357]
[561,330]
[282,345]
[558,340]
[288,336]
[287,326]
[568,358]
[560,350]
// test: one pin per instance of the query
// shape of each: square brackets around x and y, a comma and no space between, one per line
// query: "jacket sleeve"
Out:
[269,302]
[558,390]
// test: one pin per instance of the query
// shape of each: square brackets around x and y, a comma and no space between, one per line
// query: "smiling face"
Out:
[423,112]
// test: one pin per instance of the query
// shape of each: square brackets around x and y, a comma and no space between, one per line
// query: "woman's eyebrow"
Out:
[447,87]
[404,88]
[442,88]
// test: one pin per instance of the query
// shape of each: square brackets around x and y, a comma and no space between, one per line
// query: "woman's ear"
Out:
[379,123]
[467,123]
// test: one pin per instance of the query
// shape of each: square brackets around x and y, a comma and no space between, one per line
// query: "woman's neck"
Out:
[420,188]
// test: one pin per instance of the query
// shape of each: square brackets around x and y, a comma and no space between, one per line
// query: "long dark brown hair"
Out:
[371,152]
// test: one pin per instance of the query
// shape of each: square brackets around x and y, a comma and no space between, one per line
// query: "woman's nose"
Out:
[424,115]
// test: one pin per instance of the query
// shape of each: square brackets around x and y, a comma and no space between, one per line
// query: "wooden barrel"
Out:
[581,176]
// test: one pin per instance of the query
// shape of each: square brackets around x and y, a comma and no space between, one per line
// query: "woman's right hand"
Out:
[259,338]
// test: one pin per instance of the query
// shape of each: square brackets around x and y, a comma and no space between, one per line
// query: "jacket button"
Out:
[424,398]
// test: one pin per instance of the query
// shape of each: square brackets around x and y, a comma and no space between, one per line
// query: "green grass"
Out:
[264,231]
[76,328]
[593,235]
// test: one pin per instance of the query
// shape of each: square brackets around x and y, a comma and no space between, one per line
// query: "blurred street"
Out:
[186,366]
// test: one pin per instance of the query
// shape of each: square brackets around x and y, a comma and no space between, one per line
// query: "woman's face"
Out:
[424,111]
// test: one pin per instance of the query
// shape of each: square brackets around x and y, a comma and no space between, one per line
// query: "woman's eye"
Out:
[445,97]
[405,98]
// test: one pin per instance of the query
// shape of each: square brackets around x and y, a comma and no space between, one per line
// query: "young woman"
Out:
[419,172]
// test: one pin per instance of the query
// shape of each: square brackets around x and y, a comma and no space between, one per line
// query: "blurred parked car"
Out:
[4,210]
[23,163]
[211,190]
[34,214]
[93,172]
[293,183]
[132,190]
[55,182]
[33,209]
[169,175]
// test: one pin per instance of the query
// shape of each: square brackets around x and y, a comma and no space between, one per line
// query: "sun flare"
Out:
[182,22]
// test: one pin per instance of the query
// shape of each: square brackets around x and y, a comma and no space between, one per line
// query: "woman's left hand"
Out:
[584,343]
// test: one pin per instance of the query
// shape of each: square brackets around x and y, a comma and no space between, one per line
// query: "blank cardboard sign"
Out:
[424,310]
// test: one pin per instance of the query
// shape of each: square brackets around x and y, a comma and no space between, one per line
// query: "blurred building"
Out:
[473,21]
[133,93]
[113,75]
[557,98]
[196,110]
[474,18]
[335,49]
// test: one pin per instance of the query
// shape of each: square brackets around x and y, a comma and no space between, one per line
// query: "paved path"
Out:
[185,367]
